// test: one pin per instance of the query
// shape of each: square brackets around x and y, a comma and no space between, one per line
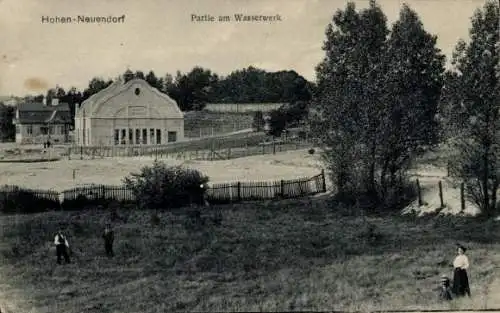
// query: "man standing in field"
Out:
[62,247]
[109,237]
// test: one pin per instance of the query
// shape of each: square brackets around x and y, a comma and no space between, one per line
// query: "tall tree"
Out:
[373,92]
[413,82]
[346,97]
[475,76]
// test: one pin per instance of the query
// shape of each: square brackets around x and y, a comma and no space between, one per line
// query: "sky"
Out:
[161,35]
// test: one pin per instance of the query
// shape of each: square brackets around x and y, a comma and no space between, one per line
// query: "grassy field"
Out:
[274,256]
[203,123]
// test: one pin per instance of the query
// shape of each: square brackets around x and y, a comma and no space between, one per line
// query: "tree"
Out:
[475,76]
[154,81]
[37,99]
[139,75]
[192,90]
[346,99]
[96,84]
[413,83]
[54,93]
[375,100]
[128,75]
[7,128]
[287,116]
[72,98]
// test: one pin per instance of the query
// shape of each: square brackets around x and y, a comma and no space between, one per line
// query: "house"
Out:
[131,113]
[37,122]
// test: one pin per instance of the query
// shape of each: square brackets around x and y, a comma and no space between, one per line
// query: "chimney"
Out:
[55,102]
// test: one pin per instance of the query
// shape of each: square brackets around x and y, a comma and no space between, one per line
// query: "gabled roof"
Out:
[92,104]
[38,113]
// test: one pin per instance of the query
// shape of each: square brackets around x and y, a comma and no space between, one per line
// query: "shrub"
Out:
[17,200]
[311,151]
[160,186]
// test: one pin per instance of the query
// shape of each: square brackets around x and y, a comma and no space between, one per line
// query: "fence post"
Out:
[274,146]
[229,153]
[420,202]
[239,191]
[323,180]
[462,196]
[441,194]
[282,189]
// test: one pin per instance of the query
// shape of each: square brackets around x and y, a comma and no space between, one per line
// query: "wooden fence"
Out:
[214,148]
[7,190]
[218,193]
[442,202]
[281,189]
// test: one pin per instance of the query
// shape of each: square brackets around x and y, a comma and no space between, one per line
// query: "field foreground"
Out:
[274,256]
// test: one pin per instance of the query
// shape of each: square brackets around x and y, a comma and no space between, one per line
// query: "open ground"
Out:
[58,175]
[306,254]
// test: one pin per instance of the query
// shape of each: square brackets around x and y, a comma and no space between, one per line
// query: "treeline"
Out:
[194,89]
[383,96]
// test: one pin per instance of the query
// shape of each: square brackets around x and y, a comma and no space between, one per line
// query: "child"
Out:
[62,247]
[108,237]
[445,290]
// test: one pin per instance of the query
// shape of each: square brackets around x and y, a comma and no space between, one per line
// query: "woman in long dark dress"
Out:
[460,278]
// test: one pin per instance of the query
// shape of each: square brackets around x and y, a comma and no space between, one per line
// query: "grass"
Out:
[206,123]
[271,256]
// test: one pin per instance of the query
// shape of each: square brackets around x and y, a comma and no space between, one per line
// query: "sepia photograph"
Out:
[249,156]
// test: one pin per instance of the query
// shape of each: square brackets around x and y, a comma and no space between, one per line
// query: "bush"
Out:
[311,151]
[160,186]
[17,200]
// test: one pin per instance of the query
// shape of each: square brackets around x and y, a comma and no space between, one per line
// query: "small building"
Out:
[37,122]
[125,114]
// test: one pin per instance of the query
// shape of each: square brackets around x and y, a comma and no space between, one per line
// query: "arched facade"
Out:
[132,113]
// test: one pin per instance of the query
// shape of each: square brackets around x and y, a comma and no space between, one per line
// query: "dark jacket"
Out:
[108,237]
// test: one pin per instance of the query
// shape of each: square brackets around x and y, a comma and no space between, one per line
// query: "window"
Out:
[51,129]
[29,129]
[124,136]
[172,136]
[44,130]
[137,91]
[130,136]
[158,136]
[144,136]
[151,136]
[117,137]
[137,136]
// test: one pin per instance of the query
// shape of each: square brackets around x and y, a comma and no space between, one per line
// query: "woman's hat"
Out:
[461,247]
